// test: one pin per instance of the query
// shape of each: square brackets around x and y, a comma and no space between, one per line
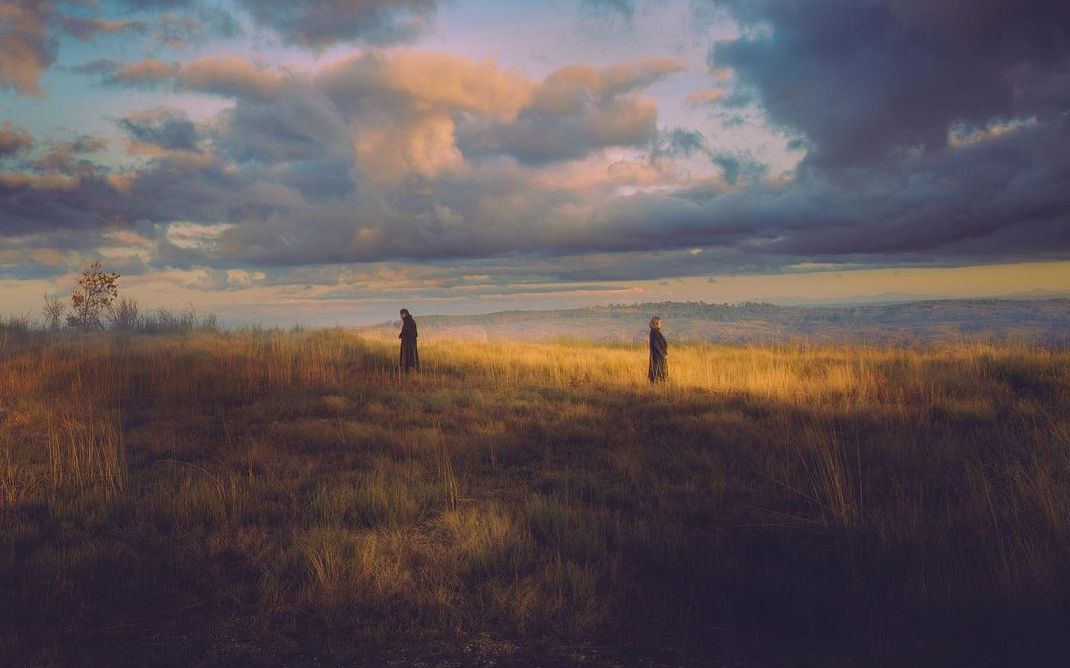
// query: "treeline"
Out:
[95,305]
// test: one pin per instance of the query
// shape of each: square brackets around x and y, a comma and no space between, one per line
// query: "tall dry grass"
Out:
[265,490]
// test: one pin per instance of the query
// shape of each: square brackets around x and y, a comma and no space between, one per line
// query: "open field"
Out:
[287,498]
[997,321]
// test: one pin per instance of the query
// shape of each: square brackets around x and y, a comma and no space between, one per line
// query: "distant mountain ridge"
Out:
[1043,321]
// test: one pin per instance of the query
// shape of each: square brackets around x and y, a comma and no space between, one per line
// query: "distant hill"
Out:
[1033,321]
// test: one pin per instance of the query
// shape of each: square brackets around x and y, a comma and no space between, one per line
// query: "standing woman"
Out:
[410,357]
[659,353]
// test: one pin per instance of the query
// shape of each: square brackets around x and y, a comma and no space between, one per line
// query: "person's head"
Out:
[655,323]
[404,313]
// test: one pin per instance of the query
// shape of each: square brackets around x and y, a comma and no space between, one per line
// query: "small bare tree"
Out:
[96,291]
[53,311]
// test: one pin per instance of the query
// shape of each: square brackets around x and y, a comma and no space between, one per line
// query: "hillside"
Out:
[1039,321]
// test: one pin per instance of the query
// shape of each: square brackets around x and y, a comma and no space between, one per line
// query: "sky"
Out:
[329,161]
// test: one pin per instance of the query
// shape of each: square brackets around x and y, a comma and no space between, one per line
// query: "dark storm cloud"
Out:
[932,129]
[321,23]
[166,128]
[864,79]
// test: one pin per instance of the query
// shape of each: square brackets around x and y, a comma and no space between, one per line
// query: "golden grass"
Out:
[292,489]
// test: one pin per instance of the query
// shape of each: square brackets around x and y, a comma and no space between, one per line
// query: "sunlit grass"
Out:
[294,488]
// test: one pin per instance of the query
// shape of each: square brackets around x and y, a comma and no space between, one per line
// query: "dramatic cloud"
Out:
[839,133]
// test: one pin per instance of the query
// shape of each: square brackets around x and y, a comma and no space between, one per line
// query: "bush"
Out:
[124,315]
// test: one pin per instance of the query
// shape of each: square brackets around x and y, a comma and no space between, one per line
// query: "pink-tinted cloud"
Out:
[14,140]
[705,97]
[146,72]
[26,48]
[230,76]
[569,88]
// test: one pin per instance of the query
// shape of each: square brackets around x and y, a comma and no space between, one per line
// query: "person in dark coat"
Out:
[659,353]
[410,357]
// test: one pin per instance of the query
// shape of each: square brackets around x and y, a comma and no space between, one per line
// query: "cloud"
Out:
[623,8]
[181,30]
[739,164]
[864,81]
[389,81]
[147,73]
[47,205]
[14,140]
[400,156]
[69,157]
[86,29]
[409,103]
[29,42]
[156,5]
[680,142]
[163,127]
[229,76]
[321,23]
[705,97]
[26,47]
[577,110]
[299,124]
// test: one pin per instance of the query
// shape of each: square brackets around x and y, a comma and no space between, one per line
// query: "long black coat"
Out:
[410,356]
[659,353]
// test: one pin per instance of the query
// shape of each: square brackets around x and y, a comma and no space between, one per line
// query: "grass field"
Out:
[286,498]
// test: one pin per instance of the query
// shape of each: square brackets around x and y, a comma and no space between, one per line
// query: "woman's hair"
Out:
[404,311]
[655,323]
